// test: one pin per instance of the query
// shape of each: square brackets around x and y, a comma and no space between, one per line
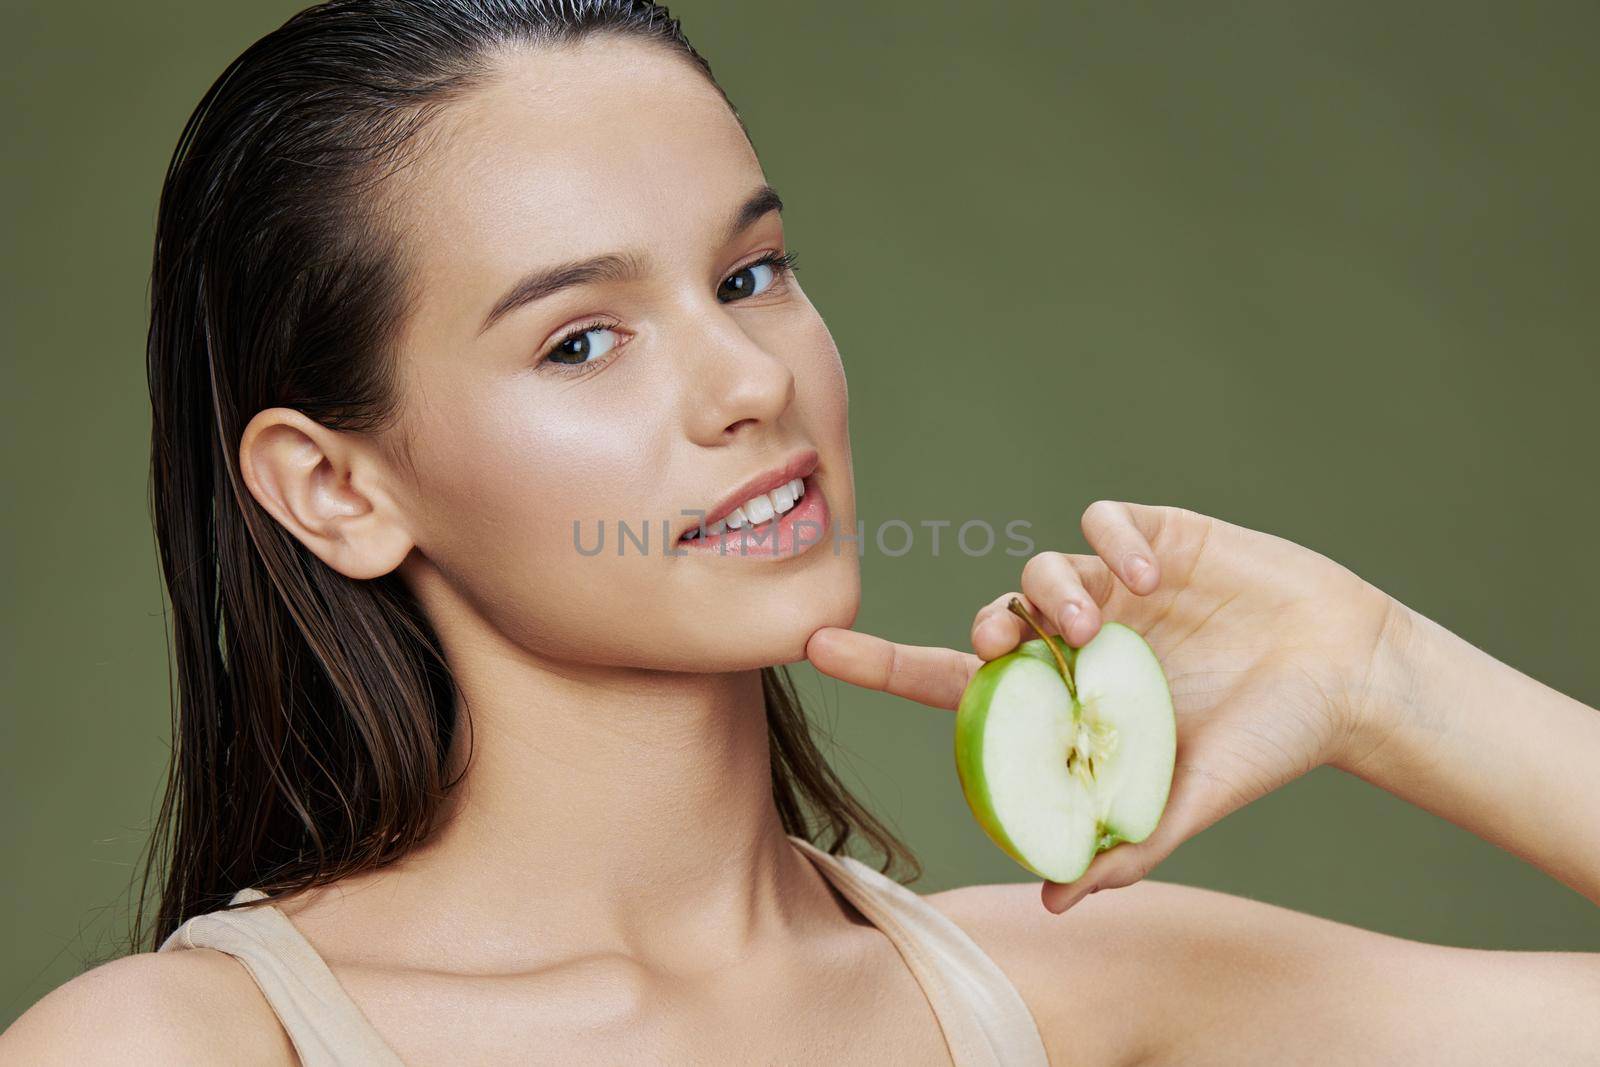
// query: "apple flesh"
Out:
[1062,753]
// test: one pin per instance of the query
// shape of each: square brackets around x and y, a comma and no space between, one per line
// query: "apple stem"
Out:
[1016,607]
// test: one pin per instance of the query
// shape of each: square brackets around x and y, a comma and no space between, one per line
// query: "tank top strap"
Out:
[324,1024]
[986,1022]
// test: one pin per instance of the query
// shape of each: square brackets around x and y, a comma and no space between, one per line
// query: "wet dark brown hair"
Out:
[313,713]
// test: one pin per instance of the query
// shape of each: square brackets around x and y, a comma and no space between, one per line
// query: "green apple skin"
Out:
[1036,648]
[972,720]
[971,716]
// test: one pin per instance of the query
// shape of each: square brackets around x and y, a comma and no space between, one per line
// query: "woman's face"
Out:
[675,385]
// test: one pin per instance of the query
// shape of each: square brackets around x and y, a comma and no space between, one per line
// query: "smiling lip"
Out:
[800,465]
[787,536]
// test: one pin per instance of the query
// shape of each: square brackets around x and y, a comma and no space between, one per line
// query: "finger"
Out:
[1056,582]
[1113,529]
[1198,799]
[929,675]
[997,630]
[1087,583]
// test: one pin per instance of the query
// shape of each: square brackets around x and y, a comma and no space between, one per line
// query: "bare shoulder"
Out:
[1085,975]
[193,1006]
[1110,979]
[1157,973]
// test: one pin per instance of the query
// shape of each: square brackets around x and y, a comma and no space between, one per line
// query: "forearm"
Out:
[1496,752]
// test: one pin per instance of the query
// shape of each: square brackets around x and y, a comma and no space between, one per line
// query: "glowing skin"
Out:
[617,808]
[694,396]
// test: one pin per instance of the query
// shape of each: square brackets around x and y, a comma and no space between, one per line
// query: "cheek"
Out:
[828,420]
[504,482]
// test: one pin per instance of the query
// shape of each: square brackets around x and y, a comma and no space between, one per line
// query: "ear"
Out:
[326,487]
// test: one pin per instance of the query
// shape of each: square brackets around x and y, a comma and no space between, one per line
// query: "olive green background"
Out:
[1324,269]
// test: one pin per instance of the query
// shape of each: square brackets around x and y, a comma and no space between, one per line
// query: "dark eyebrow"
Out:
[615,266]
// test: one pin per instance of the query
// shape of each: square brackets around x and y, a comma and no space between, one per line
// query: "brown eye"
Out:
[756,278]
[579,347]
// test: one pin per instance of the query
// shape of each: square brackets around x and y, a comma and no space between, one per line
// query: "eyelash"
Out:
[783,265]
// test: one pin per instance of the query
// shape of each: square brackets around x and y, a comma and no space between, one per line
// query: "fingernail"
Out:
[1137,567]
[1069,614]
[1075,898]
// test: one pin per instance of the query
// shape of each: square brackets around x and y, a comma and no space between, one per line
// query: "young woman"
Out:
[444,287]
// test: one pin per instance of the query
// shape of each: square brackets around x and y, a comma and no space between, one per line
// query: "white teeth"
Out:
[711,531]
[757,510]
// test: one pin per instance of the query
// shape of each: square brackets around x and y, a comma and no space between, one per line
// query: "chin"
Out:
[776,633]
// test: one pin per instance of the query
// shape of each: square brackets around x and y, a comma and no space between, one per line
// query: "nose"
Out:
[736,384]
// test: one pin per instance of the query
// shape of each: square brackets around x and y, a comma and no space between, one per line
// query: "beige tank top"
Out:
[984,1019]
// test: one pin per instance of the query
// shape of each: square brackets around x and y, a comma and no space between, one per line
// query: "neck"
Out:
[611,810]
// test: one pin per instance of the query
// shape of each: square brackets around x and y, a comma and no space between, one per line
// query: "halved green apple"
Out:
[1062,752]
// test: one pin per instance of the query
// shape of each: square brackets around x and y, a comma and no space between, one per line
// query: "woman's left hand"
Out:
[1275,656]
